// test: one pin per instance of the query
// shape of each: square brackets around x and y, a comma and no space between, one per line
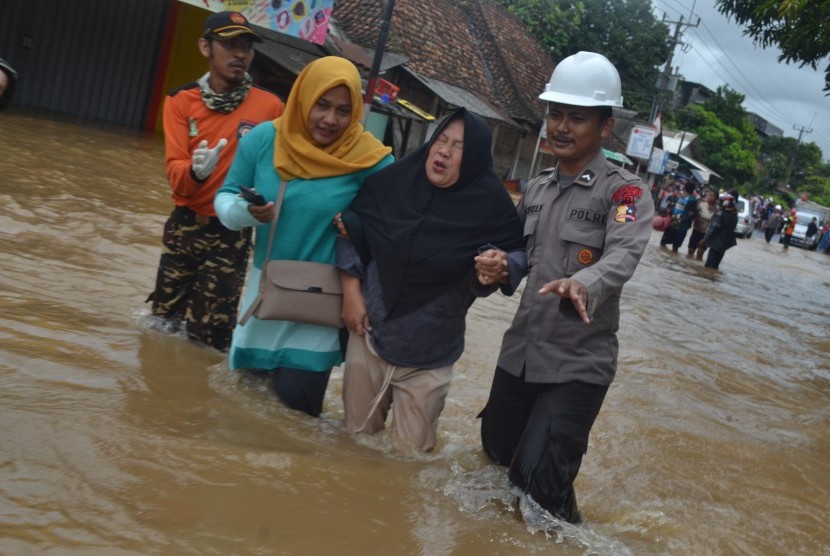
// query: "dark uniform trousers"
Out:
[541,432]
[200,276]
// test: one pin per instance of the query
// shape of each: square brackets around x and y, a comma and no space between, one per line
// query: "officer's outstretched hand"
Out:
[569,288]
[205,159]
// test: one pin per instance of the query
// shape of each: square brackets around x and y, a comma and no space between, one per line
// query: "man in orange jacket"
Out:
[203,264]
[788,231]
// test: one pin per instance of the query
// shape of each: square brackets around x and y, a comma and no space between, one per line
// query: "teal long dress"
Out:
[304,233]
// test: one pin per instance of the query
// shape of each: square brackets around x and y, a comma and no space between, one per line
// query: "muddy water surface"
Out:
[116,439]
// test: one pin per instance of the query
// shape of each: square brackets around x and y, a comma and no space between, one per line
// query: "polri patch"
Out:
[585,256]
[626,213]
[587,215]
[627,195]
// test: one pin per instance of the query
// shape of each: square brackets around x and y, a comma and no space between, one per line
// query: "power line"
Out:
[800,131]
[748,81]
[663,81]
[746,84]
[758,96]
[735,80]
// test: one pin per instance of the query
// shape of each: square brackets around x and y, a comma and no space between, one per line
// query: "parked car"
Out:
[800,231]
[746,220]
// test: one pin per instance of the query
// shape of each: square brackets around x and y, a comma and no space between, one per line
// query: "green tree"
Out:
[775,158]
[723,148]
[800,28]
[637,43]
[552,22]
[625,31]
[727,104]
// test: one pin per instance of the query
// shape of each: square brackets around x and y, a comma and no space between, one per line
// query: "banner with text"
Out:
[657,162]
[306,19]
[640,142]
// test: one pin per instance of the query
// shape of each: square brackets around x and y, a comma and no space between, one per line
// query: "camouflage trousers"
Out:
[200,276]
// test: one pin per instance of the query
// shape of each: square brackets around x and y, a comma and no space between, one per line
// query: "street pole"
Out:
[666,74]
[801,131]
[373,74]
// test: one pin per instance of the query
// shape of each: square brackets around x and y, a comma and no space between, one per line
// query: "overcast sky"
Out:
[719,54]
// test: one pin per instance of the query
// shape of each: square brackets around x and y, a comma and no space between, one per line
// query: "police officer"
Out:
[586,225]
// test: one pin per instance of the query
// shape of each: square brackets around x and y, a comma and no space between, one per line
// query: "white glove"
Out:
[205,159]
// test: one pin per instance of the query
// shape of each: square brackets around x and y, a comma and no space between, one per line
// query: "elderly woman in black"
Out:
[408,275]
[721,233]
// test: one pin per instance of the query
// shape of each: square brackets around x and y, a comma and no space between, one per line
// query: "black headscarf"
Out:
[424,238]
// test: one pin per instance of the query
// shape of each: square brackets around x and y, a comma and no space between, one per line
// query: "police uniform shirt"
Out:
[595,231]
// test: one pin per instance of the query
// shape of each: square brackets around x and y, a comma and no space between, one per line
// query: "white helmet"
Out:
[584,79]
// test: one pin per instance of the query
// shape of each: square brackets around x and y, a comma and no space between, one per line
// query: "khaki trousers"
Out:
[371,386]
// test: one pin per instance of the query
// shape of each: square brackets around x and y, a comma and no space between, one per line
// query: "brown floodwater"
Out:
[119,440]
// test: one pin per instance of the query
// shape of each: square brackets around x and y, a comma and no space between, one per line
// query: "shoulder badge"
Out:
[626,213]
[627,194]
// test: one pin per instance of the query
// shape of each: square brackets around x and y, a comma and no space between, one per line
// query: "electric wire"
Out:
[766,109]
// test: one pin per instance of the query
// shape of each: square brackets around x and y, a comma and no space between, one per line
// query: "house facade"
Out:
[114,62]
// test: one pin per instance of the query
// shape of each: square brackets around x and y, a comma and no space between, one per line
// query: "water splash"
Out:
[486,494]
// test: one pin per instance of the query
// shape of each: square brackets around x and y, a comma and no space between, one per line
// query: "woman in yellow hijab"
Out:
[321,150]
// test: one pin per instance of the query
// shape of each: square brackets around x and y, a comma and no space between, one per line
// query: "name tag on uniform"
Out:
[586,215]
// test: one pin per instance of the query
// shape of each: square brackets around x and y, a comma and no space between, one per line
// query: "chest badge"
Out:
[585,256]
[192,128]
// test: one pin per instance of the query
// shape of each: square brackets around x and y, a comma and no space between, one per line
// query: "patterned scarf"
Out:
[228,101]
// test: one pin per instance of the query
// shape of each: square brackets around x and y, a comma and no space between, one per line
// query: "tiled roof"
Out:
[520,65]
[473,44]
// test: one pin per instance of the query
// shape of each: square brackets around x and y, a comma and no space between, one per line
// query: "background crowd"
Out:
[683,203]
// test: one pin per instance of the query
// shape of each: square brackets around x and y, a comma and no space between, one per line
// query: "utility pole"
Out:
[666,81]
[801,131]
[373,74]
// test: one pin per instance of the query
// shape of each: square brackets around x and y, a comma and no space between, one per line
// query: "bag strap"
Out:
[277,210]
[263,277]
[387,380]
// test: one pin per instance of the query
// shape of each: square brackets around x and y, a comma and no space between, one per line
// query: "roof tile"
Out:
[473,44]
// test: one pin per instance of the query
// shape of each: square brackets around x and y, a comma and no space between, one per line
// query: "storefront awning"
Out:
[676,142]
[401,109]
[705,172]
[619,157]
[416,110]
[456,96]
[289,52]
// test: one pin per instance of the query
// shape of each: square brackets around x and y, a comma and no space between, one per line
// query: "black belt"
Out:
[188,216]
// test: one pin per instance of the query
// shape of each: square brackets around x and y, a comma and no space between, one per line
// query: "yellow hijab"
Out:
[295,155]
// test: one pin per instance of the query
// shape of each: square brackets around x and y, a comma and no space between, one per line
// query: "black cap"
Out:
[227,25]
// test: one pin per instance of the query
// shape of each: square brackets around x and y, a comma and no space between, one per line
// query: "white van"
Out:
[746,220]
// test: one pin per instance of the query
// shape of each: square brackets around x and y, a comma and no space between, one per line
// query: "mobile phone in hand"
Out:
[250,194]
